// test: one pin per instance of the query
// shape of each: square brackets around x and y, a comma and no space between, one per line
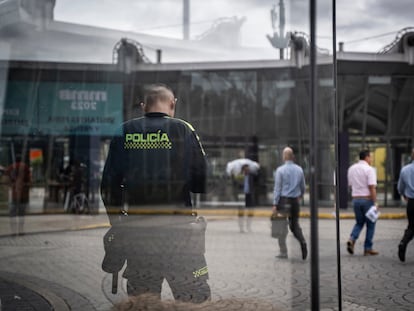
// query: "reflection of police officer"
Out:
[153,165]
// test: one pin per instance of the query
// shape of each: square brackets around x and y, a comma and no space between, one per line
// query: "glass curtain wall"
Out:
[66,88]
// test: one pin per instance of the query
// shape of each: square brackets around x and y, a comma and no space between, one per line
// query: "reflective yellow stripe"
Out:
[200,272]
[193,130]
[185,122]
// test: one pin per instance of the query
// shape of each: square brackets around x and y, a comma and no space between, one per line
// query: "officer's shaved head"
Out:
[159,98]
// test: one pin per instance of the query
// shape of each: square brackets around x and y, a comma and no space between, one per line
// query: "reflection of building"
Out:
[228,104]
[225,32]
[66,101]
[29,32]
[26,13]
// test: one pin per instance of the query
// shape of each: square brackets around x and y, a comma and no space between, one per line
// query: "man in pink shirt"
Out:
[363,181]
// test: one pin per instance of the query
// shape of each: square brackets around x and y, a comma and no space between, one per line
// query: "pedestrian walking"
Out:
[406,189]
[153,165]
[363,181]
[20,180]
[289,188]
[249,199]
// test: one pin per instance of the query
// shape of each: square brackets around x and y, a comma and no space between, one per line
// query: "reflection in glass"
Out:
[65,88]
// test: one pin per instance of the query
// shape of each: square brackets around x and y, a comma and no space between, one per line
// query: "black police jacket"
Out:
[153,160]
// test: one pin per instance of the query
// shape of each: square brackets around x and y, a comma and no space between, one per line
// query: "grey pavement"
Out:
[59,260]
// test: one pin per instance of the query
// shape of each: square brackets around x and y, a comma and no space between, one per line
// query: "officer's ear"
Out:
[172,106]
[171,109]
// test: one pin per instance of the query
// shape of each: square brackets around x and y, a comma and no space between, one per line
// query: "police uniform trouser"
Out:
[173,253]
[186,275]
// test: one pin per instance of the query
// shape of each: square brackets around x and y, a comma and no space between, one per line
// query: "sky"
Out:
[363,25]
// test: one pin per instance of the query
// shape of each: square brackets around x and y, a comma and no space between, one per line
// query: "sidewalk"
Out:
[39,223]
[63,268]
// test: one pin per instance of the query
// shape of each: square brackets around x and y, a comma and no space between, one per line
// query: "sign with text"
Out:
[57,108]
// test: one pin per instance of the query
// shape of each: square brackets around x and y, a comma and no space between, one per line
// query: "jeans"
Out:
[361,206]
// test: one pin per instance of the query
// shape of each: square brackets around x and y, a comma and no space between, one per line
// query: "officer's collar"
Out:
[156,114]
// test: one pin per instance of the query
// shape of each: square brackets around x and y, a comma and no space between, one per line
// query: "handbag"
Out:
[279,225]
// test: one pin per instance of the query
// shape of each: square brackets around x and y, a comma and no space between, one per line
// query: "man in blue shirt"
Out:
[406,189]
[289,188]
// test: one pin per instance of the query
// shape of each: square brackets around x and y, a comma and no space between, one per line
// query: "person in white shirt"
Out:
[363,181]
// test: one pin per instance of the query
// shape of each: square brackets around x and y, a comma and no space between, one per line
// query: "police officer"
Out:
[154,164]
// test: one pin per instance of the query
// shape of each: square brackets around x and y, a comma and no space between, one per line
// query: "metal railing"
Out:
[400,34]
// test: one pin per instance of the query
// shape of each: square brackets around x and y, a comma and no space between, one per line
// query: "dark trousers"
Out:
[409,232]
[249,200]
[293,217]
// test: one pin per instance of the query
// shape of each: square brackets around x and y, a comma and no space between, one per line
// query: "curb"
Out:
[351,216]
[213,215]
[303,214]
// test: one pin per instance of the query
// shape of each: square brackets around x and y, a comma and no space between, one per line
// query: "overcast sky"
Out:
[364,25]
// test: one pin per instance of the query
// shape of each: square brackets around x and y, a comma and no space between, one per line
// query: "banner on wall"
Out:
[54,108]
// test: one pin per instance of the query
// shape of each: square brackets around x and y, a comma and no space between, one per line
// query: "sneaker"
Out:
[304,250]
[370,252]
[350,246]
[401,251]
[282,256]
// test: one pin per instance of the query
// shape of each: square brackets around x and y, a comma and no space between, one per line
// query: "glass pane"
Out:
[103,187]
